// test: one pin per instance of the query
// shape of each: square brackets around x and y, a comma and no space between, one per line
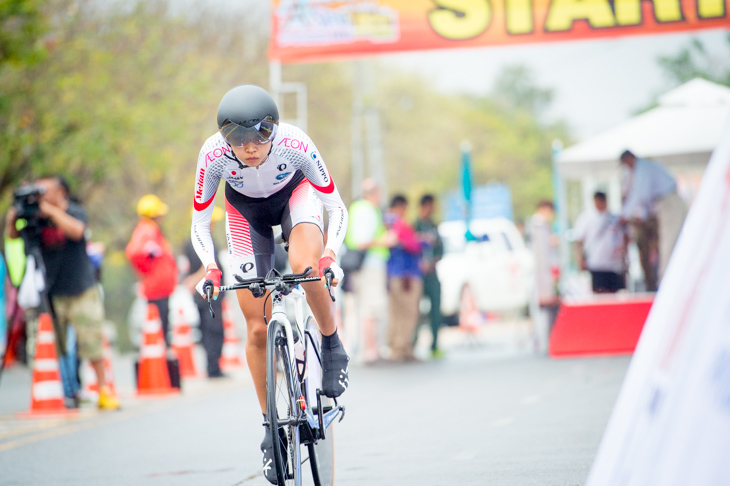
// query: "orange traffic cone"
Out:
[47,390]
[471,318]
[153,376]
[230,356]
[90,390]
[182,344]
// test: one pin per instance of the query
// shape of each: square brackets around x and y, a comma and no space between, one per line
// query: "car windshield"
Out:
[496,238]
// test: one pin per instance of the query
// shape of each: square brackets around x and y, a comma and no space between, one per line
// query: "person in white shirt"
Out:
[651,192]
[599,242]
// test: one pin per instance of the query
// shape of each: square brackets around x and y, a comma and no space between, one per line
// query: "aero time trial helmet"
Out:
[247,113]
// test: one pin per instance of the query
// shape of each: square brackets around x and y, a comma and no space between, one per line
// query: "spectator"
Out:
[432,253]
[599,242]
[405,284]
[151,257]
[211,328]
[544,245]
[366,232]
[651,204]
[70,281]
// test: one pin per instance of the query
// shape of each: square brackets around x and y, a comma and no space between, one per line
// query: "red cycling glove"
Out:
[214,275]
[324,263]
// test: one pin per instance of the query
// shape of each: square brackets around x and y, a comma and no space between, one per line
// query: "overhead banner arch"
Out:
[324,30]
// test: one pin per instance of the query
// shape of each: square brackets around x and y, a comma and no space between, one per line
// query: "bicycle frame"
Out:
[319,423]
[304,387]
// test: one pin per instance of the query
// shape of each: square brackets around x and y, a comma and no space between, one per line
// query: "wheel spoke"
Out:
[286,417]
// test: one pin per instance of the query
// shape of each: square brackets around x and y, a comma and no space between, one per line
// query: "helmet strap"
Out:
[240,164]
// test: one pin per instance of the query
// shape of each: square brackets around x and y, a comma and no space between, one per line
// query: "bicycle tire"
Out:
[321,453]
[280,407]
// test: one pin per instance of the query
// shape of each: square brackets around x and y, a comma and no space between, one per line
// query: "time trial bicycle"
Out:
[299,414]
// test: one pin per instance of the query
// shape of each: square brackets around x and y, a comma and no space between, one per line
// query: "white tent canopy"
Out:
[681,133]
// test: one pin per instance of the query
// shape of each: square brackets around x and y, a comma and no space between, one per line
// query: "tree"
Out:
[515,90]
[22,26]
[423,129]
[695,61]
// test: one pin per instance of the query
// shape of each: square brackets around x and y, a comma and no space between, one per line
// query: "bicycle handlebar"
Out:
[274,280]
[277,281]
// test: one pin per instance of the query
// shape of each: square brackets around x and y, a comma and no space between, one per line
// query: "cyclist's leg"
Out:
[305,248]
[251,254]
[255,341]
[303,227]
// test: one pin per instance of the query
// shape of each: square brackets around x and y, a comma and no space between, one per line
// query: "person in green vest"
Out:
[366,233]
[432,253]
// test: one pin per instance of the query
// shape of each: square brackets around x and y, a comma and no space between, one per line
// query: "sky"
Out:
[597,84]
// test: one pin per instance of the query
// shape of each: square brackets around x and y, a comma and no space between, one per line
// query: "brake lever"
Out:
[328,276]
[208,288]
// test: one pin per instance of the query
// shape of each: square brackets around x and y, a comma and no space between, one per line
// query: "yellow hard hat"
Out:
[217,215]
[151,206]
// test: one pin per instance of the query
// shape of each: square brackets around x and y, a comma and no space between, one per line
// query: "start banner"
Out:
[322,30]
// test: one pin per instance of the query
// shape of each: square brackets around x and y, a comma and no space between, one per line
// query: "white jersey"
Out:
[603,240]
[292,150]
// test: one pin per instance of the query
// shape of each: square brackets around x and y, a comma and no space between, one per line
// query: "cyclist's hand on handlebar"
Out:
[328,263]
[210,284]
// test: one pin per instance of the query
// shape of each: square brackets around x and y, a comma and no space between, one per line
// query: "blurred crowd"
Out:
[651,217]
[391,284]
[390,264]
[53,268]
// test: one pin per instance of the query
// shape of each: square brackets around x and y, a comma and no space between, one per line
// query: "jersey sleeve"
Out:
[304,155]
[207,178]
[332,201]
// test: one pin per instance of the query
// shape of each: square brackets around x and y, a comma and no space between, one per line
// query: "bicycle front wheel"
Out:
[281,408]
[322,452]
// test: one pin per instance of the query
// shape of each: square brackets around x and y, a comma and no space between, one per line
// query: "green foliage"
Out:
[515,91]
[118,97]
[694,61]
[21,27]
[423,129]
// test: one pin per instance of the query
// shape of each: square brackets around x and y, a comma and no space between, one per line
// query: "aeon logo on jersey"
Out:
[295,144]
[216,153]
[282,176]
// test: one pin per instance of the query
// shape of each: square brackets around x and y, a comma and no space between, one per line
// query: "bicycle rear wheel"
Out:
[281,408]
[322,452]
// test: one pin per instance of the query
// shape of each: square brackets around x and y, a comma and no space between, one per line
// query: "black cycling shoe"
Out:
[334,367]
[267,447]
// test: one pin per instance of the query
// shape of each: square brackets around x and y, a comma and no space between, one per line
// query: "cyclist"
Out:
[274,175]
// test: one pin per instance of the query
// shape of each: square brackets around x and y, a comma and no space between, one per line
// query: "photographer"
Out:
[70,282]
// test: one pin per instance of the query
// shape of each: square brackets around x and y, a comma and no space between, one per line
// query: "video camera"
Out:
[26,201]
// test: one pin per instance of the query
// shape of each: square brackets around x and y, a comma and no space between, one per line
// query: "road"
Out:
[490,413]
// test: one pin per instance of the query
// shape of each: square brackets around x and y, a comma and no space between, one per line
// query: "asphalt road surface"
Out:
[490,413]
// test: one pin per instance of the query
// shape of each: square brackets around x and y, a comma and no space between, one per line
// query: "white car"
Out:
[497,268]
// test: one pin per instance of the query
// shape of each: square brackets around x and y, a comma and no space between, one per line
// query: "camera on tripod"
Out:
[26,201]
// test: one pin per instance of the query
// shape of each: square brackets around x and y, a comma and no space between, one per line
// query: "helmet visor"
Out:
[238,135]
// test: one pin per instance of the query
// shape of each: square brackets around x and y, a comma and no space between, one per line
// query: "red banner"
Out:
[323,30]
